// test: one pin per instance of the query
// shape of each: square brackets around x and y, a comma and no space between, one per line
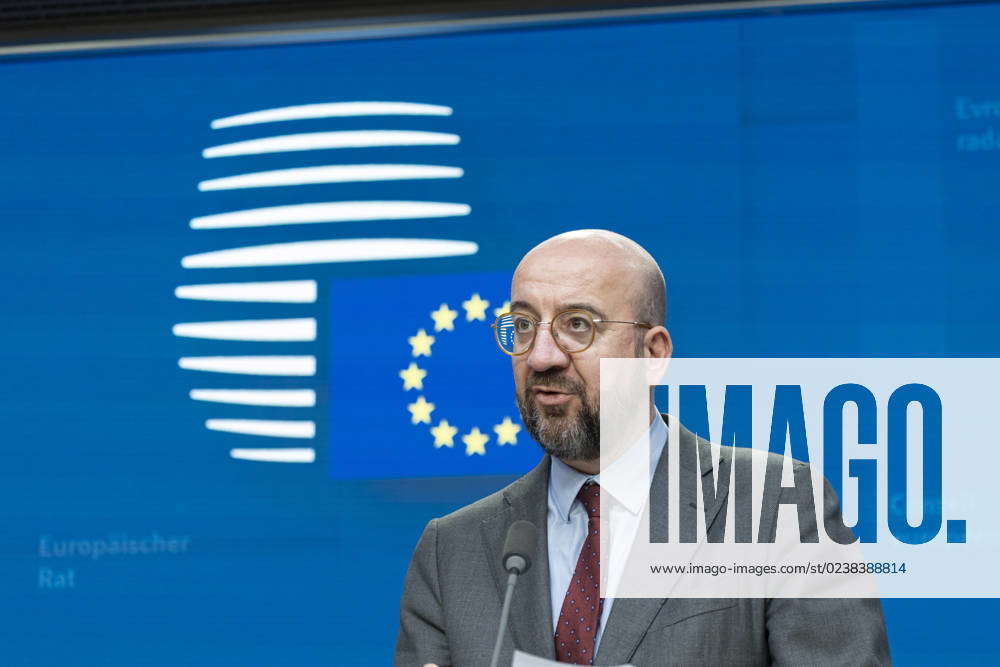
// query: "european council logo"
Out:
[418,385]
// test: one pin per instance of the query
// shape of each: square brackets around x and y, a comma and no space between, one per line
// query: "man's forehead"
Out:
[553,295]
[568,264]
[572,272]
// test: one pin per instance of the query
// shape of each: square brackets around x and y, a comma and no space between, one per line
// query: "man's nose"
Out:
[545,352]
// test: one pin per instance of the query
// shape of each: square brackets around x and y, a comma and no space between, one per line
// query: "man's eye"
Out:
[579,324]
[522,324]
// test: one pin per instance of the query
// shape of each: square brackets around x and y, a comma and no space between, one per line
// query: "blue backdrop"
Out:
[813,184]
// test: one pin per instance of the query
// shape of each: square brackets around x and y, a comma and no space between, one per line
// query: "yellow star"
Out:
[475,308]
[420,411]
[505,308]
[444,318]
[444,434]
[506,432]
[421,343]
[475,442]
[413,377]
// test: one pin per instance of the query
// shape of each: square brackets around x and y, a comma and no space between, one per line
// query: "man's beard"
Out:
[552,426]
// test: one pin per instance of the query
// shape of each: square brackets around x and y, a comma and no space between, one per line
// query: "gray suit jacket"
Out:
[455,587]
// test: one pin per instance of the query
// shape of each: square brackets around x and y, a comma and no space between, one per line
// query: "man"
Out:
[578,297]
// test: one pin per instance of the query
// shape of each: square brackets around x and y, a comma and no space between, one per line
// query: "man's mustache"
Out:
[555,381]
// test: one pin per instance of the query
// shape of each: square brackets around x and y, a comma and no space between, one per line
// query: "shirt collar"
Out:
[565,482]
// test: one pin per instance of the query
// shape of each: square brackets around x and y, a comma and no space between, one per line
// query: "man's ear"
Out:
[657,343]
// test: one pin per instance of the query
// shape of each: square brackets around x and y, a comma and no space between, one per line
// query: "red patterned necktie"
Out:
[581,609]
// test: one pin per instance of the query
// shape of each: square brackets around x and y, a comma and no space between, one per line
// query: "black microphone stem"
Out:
[518,549]
[511,580]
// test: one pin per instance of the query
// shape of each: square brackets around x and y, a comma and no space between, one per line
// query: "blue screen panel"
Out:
[197,473]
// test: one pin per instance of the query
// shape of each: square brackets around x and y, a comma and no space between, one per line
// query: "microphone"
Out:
[519,546]
[517,550]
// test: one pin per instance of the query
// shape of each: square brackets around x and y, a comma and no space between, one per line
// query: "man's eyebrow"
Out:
[586,306]
[522,305]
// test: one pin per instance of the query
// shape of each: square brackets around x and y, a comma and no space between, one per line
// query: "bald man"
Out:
[575,298]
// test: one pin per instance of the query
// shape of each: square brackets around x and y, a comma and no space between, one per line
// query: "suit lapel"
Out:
[530,622]
[630,618]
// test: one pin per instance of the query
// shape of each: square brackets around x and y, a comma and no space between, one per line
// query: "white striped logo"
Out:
[246,376]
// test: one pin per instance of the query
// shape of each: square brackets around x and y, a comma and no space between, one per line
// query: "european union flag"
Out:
[418,386]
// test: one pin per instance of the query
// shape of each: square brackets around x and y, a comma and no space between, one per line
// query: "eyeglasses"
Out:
[573,331]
